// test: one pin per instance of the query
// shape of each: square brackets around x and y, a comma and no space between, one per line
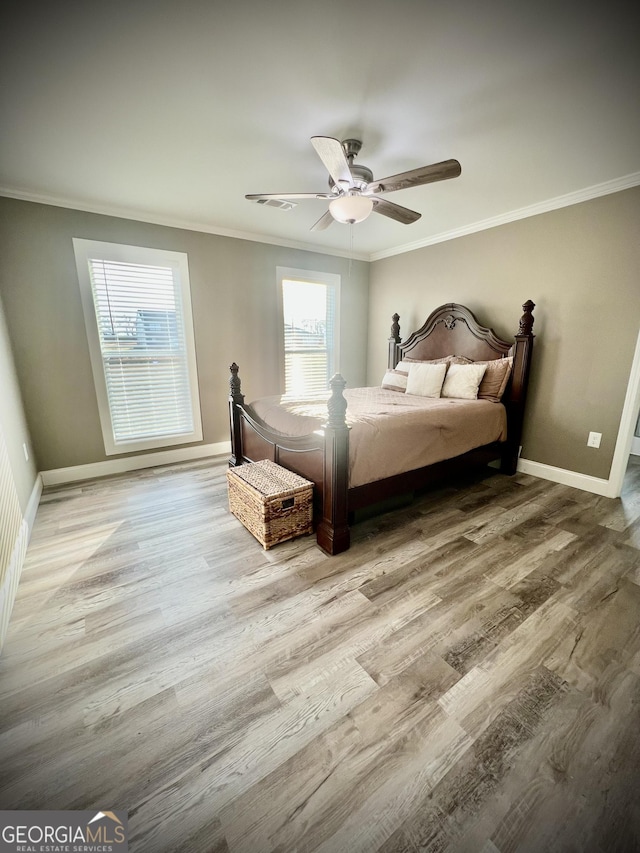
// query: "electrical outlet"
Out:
[594,439]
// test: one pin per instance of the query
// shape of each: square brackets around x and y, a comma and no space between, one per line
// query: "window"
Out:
[137,312]
[310,313]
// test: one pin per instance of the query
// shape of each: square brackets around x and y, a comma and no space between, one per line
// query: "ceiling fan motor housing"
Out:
[362,175]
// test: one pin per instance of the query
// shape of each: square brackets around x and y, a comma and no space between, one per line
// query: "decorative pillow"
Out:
[463,380]
[494,381]
[425,380]
[395,380]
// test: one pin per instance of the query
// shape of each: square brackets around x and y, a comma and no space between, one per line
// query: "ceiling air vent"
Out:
[277,202]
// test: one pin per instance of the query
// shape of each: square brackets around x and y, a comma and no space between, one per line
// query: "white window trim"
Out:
[311,277]
[86,249]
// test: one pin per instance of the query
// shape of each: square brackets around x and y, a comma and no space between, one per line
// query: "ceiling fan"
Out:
[353,194]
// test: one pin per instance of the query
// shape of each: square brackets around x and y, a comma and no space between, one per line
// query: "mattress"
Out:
[393,432]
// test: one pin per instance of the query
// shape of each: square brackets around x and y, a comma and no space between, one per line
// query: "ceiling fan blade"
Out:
[324,222]
[332,154]
[416,177]
[395,211]
[258,196]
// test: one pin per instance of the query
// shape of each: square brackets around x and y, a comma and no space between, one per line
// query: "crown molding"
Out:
[169,222]
[595,191]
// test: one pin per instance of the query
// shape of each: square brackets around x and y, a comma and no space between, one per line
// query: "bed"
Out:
[336,442]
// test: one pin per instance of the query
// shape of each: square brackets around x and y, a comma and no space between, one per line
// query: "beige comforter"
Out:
[393,432]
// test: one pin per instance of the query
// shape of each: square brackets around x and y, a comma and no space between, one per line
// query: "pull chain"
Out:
[350,247]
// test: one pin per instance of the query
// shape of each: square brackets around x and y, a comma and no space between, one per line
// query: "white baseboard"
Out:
[567,478]
[58,476]
[34,501]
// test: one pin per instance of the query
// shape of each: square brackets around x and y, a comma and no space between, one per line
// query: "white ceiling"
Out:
[171,111]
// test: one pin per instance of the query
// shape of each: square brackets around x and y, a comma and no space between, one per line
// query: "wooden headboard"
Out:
[449,330]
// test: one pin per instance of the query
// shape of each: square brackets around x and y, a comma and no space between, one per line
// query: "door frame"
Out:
[627,427]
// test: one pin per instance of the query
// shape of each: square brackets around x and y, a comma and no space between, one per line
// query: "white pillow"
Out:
[394,380]
[425,380]
[463,380]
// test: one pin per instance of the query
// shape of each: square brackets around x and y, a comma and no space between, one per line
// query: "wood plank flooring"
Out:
[466,678]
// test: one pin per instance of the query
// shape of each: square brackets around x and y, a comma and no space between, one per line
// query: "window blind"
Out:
[309,333]
[142,342]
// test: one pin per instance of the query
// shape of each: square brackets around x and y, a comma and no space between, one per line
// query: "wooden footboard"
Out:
[323,456]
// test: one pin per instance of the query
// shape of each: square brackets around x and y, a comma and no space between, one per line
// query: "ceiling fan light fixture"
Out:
[351,208]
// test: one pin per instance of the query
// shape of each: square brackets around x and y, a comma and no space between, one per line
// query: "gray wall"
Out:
[581,266]
[235,307]
[13,422]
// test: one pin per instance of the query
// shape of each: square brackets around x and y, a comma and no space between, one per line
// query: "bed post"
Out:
[235,396]
[394,342]
[332,533]
[522,350]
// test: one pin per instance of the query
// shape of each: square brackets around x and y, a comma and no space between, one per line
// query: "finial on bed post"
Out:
[234,384]
[236,397]
[394,342]
[337,405]
[526,321]
[395,329]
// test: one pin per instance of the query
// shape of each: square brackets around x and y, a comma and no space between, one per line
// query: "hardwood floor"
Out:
[465,678]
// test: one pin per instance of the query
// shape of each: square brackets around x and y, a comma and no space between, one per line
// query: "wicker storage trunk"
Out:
[274,504]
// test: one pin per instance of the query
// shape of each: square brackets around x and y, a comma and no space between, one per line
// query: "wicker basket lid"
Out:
[268,478]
